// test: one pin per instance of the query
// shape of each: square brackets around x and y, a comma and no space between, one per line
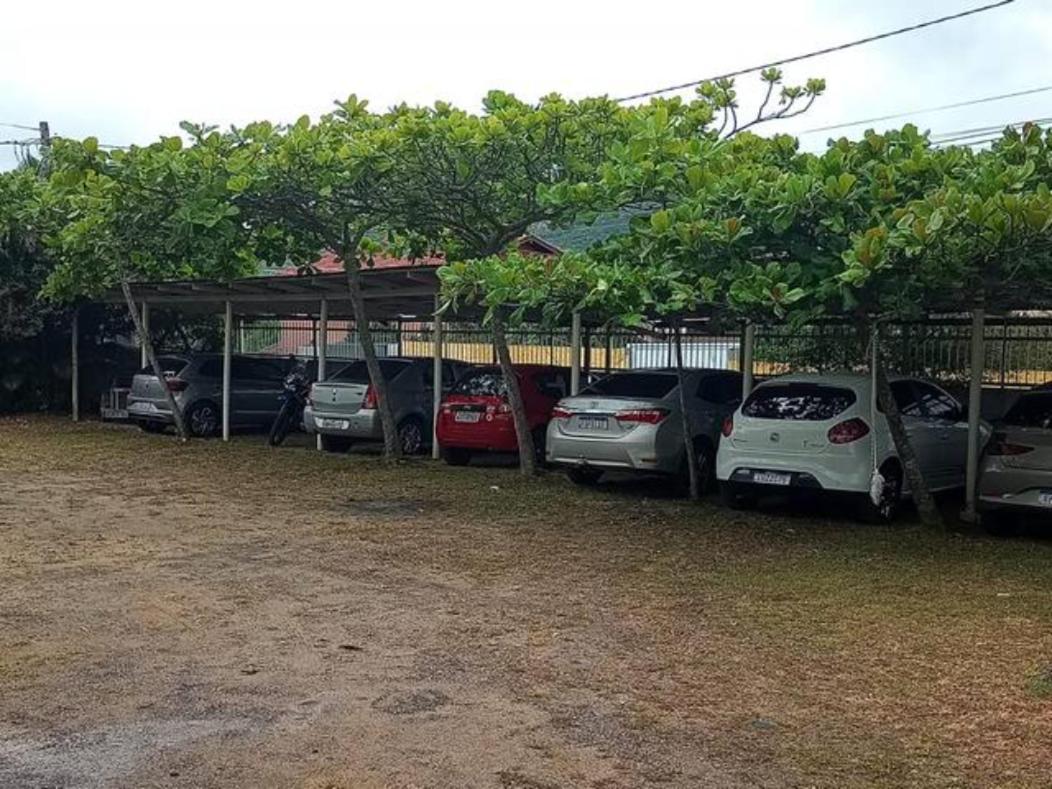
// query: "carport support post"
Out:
[575,353]
[143,361]
[323,345]
[74,349]
[975,395]
[436,378]
[748,347]
[228,337]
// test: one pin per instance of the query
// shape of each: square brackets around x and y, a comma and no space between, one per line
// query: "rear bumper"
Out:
[625,454]
[148,411]
[805,472]
[363,424]
[1004,487]
[492,436]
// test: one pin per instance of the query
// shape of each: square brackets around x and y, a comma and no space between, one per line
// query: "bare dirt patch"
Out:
[211,615]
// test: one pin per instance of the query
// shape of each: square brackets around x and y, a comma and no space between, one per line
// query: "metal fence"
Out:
[1018,351]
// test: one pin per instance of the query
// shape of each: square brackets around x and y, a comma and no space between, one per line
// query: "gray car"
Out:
[342,409]
[631,422]
[196,380]
[1016,473]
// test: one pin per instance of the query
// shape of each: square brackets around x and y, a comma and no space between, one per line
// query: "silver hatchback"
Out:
[631,421]
[1016,472]
[342,409]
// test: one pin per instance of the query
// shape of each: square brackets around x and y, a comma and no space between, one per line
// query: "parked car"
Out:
[342,409]
[196,380]
[475,416]
[1016,471]
[815,433]
[631,421]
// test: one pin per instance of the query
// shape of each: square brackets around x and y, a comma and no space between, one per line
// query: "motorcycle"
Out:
[294,397]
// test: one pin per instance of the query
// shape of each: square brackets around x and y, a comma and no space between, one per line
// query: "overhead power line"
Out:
[20,126]
[818,52]
[940,108]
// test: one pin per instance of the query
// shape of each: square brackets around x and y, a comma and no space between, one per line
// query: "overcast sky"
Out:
[127,71]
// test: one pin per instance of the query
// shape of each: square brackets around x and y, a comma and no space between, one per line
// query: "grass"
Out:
[789,648]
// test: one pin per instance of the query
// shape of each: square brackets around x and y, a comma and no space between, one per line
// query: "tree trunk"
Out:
[151,358]
[392,446]
[929,513]
[693,472]
[527,450]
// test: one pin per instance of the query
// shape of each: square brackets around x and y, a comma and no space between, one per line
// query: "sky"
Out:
[128,72]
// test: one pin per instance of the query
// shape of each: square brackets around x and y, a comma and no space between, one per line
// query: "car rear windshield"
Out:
[358,372]
[800,401]
[1032,410]
[482,383]
[633,385]
[170,365]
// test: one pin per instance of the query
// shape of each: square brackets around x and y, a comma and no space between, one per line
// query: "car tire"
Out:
[148,426]
[456,456]
[586,477]
[706,470]
[202,419]
[735,498]
[411,436]
[891,500]
[335,443]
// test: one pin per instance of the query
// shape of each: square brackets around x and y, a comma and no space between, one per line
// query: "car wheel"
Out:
[584,476]
[540,441]
[411,437]
[152,427]
[736,498]
[706,470]
[456,456]
[335,443]
[885,510]
[202,419]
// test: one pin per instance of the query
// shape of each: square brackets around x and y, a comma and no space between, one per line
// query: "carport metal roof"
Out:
[392,292]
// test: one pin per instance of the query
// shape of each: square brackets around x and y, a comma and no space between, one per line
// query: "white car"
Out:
[815,432]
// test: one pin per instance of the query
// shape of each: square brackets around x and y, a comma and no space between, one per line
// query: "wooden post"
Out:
[323,347]
[228,332]
[74,348]
[436,378]
[575,353]
[975,396]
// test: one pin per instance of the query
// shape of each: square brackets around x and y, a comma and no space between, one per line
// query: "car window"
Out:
[211,368]
[246,369]
[906,398]
[170,365]
[358,372]
[449,375]
[484,382]
[805,402]
[1031,410]
[719,389]
[552,383]
[935,403]
[654,385]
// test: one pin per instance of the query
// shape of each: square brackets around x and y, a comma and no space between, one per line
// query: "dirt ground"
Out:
[236,616]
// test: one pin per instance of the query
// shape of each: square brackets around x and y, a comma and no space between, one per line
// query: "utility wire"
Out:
[819,52]
[940,108]
[20,126]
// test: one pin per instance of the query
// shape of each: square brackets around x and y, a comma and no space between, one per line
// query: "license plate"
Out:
[334,424]
[771,478]
[1044,498]
[593,422]
[467,416]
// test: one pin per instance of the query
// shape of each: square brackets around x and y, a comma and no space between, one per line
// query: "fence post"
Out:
[975,394]
[436,378]
[575,353]
[748,349]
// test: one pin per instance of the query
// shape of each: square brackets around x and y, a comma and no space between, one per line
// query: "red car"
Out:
[475,416]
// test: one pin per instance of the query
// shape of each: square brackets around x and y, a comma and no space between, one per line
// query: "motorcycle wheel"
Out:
[282,425]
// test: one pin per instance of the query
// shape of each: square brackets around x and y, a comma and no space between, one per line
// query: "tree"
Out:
[156,212]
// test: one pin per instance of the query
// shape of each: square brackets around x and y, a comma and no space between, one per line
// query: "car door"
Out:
[926,446]
[255,390]
[949,432]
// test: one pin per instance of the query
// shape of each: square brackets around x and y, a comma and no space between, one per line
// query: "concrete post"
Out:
[436,378]
[228,336]
[323,347]
[143,361]
[74,348]
[575,353]
[748,349]
[975,395]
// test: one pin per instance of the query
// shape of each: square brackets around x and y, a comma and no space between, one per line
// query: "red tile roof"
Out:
[329,264]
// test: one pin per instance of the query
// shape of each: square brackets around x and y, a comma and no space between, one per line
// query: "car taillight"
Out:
[728,426]
[370,398]
[648,416]
[504,408]
[176,384]
[561,413]
[846,432]
[1000,445]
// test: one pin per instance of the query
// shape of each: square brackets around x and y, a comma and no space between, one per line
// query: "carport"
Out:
[398,293]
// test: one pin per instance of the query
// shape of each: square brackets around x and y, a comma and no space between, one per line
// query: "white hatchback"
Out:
[815,432]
